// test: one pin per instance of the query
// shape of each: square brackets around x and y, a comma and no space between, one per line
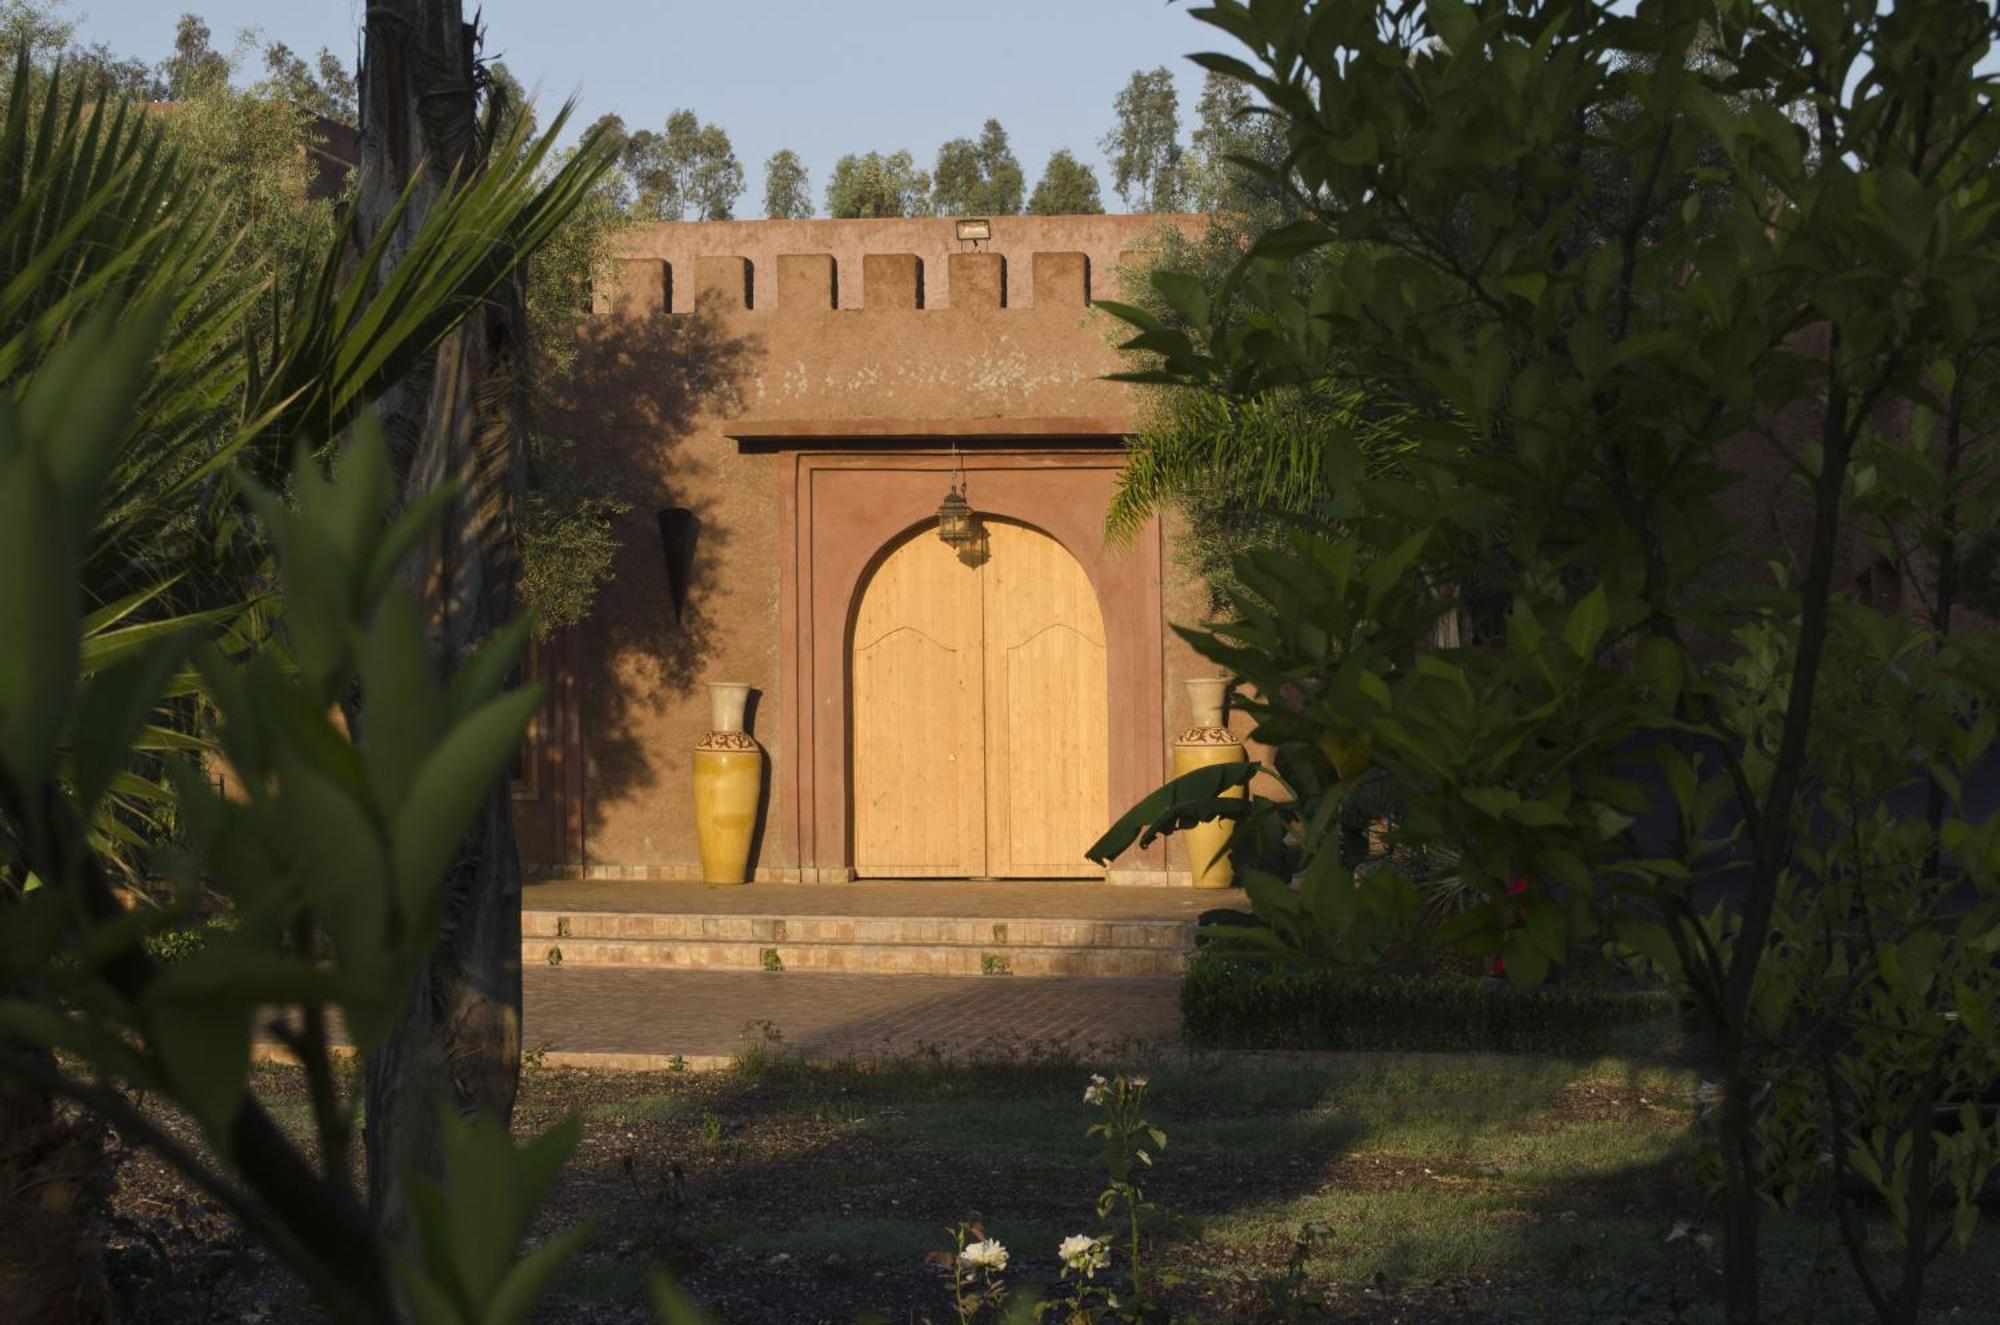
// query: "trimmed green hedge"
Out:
[1229,1003]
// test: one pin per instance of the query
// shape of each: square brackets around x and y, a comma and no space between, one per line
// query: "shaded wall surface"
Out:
[788,393]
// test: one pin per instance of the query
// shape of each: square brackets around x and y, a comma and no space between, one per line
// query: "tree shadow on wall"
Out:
[641,385]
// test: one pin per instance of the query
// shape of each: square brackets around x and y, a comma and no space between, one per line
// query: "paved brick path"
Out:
[642,1018]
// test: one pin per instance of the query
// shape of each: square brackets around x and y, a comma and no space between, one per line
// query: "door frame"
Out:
[839,512]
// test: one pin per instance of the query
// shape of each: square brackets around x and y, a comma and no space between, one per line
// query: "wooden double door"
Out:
[980,724]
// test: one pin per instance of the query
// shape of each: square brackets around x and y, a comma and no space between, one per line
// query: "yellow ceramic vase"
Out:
[1208,742]
[728,784]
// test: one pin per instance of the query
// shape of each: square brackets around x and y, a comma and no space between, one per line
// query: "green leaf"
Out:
[1184,294]
[38,610]
[1292,240]
[85,396]
[483,675]
[399,693]
[1528,284]
[205,1050]
[1186,800]
[1588,620]
[1454,23]
[670,1304]
[1964,1222]
[1359,148]
[531,1278]
[1657,662]
[457,777]
[114,707]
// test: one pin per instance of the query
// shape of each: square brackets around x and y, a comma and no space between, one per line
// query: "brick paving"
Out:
[1011,900]
[626,1017]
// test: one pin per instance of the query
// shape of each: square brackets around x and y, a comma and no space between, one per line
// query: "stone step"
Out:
[878,945]
[1174,935]
[853,958]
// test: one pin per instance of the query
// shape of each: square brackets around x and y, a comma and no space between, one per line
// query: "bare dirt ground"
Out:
[779,1193]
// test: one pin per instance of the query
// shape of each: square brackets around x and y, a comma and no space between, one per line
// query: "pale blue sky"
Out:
[821,78]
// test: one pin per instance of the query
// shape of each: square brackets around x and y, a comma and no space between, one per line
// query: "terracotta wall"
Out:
[725,355]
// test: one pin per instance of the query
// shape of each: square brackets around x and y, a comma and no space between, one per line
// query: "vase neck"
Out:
[1205,696]
[726,702]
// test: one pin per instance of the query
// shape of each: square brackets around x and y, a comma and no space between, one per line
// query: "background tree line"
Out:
[688,168]
[689,171]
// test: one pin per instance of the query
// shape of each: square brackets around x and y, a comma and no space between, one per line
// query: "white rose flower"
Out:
[987,1255]
[1084,1254]
[1139,1083]
[1094,1093]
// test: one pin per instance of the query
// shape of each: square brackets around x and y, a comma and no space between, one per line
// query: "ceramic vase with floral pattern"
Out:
[728,784]
[1208,741]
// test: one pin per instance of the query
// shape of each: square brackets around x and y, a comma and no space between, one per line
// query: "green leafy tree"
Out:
[956,181]
[687,171]
[717,180]
[335,860]
[324,87]
[113,225]
[1580,396]
[617,183]
[610,130]
[504,100]
[1239,473]
[37,27]
[195,66]
[1144,144]
[999,172]
[977,178]
[42,30]
[787,190]
[117,77]
[1067,188]
[878,185]
[1229,129]
[567,543]
[254,145]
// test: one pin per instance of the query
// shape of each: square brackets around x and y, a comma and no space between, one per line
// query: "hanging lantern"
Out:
[954,515]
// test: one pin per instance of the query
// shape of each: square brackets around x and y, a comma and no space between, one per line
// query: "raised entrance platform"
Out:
[888,928]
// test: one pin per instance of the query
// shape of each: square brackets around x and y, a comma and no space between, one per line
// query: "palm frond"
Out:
[1283,452]
[99,215]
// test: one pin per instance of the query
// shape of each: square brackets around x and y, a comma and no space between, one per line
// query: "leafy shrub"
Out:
[172,946]
[1230,1003]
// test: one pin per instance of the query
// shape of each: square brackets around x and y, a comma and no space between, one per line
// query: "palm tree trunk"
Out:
[457,420]
[52,1183]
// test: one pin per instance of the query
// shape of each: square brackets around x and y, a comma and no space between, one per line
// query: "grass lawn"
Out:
[1450,1188]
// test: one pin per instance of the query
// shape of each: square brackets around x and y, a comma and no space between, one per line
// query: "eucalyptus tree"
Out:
[1144,145]
[1067,187]
[787,189]
[875,184]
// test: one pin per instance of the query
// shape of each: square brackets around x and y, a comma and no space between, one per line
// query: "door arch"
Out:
[979,731]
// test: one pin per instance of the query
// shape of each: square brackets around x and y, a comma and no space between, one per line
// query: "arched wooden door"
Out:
[980,716]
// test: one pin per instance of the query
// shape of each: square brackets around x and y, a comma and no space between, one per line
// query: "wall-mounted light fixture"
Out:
[677,526]
[974,230]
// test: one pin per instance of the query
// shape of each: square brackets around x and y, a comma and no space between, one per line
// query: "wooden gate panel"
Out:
[919,731]
[1047,722]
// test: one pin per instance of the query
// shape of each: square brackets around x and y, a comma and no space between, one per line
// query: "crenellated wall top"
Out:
[896,264]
